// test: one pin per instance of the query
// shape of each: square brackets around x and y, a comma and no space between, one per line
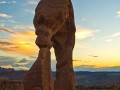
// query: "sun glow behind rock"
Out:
[97,34]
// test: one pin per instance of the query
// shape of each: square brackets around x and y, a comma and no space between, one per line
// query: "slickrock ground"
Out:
[18,85]
[11,85]
[107,87]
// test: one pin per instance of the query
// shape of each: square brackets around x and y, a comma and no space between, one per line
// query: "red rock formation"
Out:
[39,76]
[54,24]
[11,85]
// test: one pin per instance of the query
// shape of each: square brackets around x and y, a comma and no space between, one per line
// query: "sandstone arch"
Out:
[55,27]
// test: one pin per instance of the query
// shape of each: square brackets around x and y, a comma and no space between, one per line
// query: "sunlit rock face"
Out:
[55,27]
[11,85]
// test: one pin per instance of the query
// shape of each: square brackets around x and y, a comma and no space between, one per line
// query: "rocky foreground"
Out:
[18,85]
[11,85]
[107,87]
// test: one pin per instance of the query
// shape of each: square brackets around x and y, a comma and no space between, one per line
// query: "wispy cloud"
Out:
[118,14]
[6,30]
[23,27]
[33,57]
[115,35]
[6,60]
[5,15]
[30,11]
[76,60]
[5,43]
[7,2]
[95,56]
[110,38]
[22,42]
[2,24]
[1,56]
[84,33]
[24,60]
[12,62]
[15,67]
[84,19]
[33,1]
[77,63]
[3,2]
[23,64]
[12,21]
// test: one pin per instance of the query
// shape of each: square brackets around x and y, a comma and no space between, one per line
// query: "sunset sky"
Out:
[97,36]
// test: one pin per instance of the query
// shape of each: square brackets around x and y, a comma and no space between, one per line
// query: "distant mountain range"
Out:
[97,78]
[82,77]
[93,69]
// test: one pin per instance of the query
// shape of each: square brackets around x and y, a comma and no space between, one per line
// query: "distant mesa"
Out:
[6,69]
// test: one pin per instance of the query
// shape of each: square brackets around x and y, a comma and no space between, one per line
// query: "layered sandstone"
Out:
[55,27]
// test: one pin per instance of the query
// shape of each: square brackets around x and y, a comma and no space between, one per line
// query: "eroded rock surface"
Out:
[11,85]
[55,27]
[39,76]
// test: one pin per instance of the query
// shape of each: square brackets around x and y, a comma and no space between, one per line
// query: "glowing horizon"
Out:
[97,34]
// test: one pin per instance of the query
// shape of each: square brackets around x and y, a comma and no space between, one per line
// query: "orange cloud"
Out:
[16,68]
[20,43]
